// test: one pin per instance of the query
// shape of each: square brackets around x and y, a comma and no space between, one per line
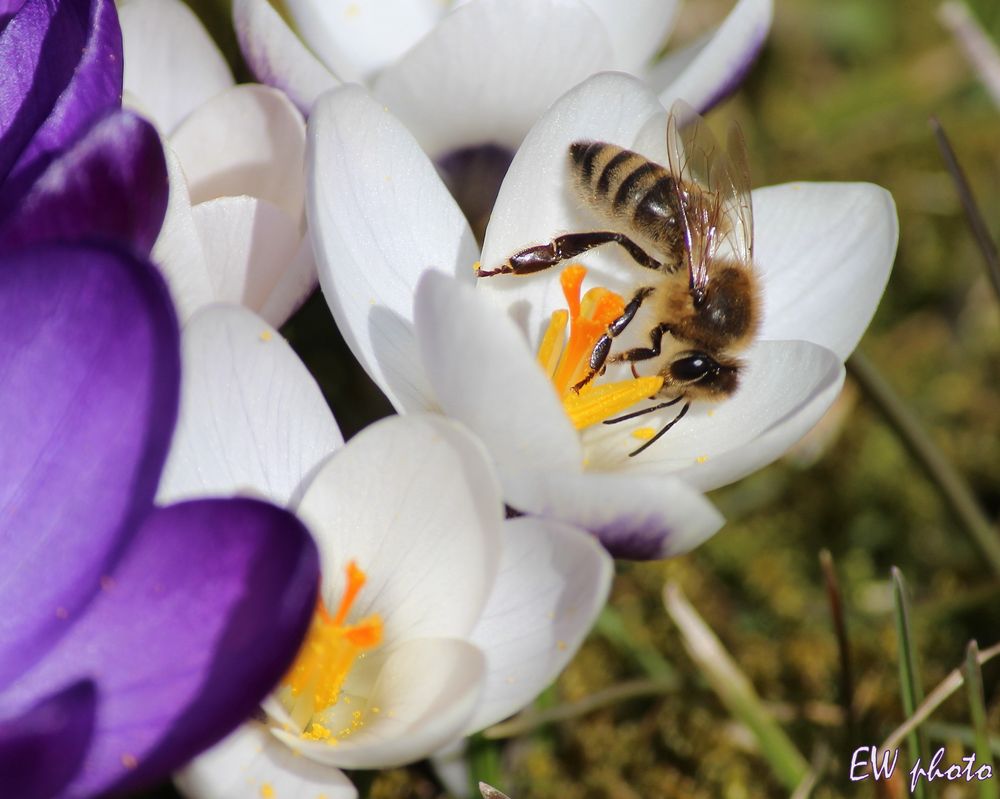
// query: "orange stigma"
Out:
[568,362]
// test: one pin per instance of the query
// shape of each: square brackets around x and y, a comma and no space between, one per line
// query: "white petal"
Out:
[379,216]
[637,516]
[171,63]
[824,252]
[452,769]
[277,56]
[637,34]
[252,419]
[356,38]
[489,70]
[485,376]
[536,201]
[413,501]
[707,71]
[295,283]
[553,581]
[425,695]
[178,251]
[248,140]
[785,389]
[248,244]
[252,762]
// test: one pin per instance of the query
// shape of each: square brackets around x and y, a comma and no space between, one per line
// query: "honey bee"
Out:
[691,224]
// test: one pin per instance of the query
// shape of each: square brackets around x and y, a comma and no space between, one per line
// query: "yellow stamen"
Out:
[553,342]
[594,404]
[326,657]
[567,363]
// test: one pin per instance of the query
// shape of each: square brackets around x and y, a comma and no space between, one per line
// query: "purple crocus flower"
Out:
[133,636]
[73,165]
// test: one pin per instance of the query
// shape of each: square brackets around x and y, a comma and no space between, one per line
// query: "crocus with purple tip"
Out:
[73,165]
[131,638]
[468,79]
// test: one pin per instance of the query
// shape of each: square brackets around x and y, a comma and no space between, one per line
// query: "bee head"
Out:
[698,375]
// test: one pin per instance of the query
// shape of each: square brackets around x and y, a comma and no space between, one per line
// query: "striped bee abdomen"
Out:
[625,186]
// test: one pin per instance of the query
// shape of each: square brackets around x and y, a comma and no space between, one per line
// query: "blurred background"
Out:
[843,91]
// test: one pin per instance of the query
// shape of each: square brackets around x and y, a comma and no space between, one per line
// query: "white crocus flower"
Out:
[382,221]
[235,225]
[438,617]
[469,79]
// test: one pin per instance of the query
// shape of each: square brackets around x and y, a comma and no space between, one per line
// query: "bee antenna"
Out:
[663,430]
[644,411]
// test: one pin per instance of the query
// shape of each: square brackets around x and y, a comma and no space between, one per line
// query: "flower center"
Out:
[567,362]
[326,657]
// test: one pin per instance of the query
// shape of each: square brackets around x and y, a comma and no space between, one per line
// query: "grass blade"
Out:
[935,699]
[972,214]
[979,50]
[530,720]
[611,627]
[735,690]
[843,642]
[953,487]
[909,676]
[988,789]
[940,731]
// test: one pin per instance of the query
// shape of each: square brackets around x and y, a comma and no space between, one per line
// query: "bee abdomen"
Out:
[623,185]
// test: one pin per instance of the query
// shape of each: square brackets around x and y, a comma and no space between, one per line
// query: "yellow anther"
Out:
[553,342]
[594,404]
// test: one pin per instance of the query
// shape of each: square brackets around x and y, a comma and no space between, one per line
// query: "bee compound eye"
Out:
[692,367]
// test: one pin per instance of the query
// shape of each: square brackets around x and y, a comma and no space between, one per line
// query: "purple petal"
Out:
[110,185]
[94,89]
[8,8]
[199,620]
[705,72]
[42,749]
[40,49]
[89,372]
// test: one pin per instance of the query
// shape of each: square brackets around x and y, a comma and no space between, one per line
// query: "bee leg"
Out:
[644,411]
[644,353]
[542,256]
[599,355]
[663,430]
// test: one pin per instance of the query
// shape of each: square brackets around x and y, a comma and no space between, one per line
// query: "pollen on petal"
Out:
[644,433]
[326,657]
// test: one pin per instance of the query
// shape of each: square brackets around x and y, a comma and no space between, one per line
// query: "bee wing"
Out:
[712,192]
[737,206]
